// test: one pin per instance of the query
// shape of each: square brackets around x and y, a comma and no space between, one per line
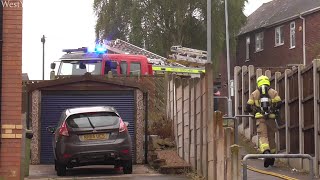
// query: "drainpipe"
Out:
[304,39]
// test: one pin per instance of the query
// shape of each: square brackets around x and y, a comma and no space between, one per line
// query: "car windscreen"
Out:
[93,120]
[79,67]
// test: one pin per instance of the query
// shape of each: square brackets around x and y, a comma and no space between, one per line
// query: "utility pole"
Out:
[228,58]
[209,31]
[43,40]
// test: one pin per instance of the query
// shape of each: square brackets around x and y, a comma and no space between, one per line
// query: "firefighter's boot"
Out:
[268,161]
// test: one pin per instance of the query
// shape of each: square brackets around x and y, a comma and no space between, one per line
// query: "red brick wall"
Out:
[312,36]
[273,56]
[10,152]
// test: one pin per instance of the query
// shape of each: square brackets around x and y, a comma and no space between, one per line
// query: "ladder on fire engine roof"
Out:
[123,47]
[188,54]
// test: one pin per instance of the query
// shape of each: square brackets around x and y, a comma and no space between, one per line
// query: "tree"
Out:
[160,24]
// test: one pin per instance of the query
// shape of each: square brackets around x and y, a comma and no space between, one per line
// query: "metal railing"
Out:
[236,123]
[256,156]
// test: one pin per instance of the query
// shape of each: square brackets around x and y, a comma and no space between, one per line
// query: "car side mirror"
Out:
[53,65]
[126,123]
[51,129]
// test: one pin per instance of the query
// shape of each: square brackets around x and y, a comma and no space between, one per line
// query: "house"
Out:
[280,33]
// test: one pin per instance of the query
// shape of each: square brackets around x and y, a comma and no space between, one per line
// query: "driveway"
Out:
[140,172]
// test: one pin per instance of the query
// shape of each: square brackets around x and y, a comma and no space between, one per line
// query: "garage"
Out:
[47,99]
[53,103]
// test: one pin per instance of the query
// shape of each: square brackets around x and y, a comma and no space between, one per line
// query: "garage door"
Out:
[53,103]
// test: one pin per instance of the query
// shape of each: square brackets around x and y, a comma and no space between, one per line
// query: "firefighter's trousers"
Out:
[266,133]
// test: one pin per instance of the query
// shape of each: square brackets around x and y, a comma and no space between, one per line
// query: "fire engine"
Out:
[99,61]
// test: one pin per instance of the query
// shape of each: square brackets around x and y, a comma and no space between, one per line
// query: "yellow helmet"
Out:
[263,80]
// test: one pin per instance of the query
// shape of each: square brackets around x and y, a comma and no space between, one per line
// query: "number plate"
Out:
[88,137]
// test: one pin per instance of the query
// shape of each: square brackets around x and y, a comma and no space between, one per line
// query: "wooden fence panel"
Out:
[293,102]
[316,81]
[308,111]
[282,121]
[299,113]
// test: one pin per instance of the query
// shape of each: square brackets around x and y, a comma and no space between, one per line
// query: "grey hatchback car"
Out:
[91,136]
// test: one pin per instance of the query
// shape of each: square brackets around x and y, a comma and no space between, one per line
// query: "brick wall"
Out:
[312,36]
[11,132]
[272,56]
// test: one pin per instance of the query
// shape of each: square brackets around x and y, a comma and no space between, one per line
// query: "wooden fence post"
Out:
[301,112]
[229,141]
[258,72]
[287,110]
[210,148]
[236,162]
[193,124]
[199,134]
[251,124]
[316,100]
[167,95]
[186,120]
[276,85]
[219,133]
[180,116]
[204,109]
[243,105]
[237,85]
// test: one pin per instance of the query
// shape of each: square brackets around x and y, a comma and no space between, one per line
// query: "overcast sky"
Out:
[66,24]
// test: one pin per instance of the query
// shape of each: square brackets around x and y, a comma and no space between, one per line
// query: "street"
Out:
[141,172]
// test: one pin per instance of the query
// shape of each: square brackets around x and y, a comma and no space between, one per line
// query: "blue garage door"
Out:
[54,103]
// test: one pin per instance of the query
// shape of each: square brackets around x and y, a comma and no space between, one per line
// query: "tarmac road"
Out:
[140,172]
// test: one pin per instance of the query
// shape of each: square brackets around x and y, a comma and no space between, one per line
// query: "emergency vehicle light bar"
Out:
[83,49]
[96,49]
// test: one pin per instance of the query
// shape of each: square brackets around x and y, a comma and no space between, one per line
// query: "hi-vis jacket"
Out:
[254,100]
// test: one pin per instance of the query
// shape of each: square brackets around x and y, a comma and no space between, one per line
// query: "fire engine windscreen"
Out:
[79,67]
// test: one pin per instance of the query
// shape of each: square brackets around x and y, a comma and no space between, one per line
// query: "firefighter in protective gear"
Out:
[263,103]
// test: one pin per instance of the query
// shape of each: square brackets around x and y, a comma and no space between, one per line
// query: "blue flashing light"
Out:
[91,49]
[100,49]
[97,49]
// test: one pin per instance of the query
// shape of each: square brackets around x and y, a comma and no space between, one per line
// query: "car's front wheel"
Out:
[61,169]
[127,167]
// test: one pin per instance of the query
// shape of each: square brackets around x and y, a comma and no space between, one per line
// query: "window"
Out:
[123,67]
[111,65]
[81,67]
[292,34]
[247,48]
[135,68]
[259,41]
[92,120]
[279,39]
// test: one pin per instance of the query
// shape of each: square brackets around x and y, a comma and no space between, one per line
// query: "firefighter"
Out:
[263,103]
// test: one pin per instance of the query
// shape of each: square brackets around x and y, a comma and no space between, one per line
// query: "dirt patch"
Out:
[171,157]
